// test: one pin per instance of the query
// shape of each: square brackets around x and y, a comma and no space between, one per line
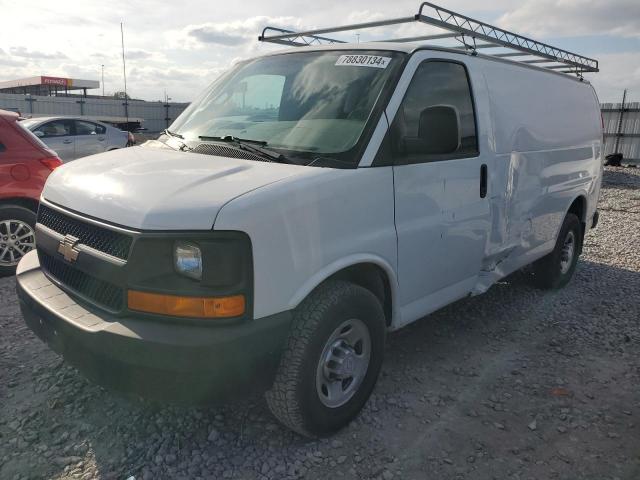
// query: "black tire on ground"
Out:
[554,271]
[613,160]
[294,397]
[17,213]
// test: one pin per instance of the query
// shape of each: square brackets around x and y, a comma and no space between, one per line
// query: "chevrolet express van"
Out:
[309,202]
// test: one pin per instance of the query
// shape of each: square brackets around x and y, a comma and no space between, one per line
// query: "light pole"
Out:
[124,74]
[103,80]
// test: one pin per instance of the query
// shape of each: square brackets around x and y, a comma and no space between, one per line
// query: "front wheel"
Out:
[17,236]
[331,361]
[556,269]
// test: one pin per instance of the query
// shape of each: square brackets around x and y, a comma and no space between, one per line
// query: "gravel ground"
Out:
[514,384]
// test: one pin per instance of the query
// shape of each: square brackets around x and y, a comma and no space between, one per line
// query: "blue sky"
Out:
[181,47]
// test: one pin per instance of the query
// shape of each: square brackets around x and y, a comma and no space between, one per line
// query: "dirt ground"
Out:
[514,384]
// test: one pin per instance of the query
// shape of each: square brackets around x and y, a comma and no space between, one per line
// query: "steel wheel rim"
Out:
[567,253]
[343,363]
[17,238]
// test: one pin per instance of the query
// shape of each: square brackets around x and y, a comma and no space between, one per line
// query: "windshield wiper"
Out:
[173,134]
[253,146]
[231,138]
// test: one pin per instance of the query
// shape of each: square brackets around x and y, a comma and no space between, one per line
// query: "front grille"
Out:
[103,293]
[107,241]
[224,151]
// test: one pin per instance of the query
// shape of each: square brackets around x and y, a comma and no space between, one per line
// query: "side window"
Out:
[56,128]
[85,128]
[436,120]
[100,129]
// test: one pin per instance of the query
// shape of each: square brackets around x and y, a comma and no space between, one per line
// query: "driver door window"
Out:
[436,120]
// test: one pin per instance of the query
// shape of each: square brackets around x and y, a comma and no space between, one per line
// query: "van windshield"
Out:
[307,104]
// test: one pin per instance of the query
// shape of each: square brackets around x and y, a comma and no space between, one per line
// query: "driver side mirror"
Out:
[438,132]
[38,134]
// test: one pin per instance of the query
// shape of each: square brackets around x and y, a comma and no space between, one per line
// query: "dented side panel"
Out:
[547,145]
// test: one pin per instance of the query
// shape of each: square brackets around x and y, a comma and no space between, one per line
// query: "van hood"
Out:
[158,189]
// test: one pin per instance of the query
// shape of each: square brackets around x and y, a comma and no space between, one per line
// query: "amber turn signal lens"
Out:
[195,307]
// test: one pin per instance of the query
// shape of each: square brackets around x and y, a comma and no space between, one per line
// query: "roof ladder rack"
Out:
[464,29]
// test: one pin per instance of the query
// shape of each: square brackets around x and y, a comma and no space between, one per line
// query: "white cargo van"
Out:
[308,202]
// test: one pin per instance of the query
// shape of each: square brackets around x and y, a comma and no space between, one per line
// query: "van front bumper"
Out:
[159,359]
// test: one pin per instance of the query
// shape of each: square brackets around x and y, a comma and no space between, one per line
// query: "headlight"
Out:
[187,259]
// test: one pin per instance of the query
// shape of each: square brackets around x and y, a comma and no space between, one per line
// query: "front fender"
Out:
[304,229]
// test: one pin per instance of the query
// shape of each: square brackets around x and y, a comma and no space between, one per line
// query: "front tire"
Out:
[331,361]
[17,236]
[555,270]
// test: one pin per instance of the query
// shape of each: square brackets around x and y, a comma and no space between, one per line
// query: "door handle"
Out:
[101,139]
[483,180]
[67,141]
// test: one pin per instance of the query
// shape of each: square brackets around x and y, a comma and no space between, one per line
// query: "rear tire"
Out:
[556,269]
[331,361]
[17,236]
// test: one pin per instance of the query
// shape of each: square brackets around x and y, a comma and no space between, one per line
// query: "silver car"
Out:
[73,138]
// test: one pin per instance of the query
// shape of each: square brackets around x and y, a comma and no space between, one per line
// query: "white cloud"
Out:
[362,16]
[35,54]
[147,56]
[228,34]
[617,72]
[7,61]
[574,17]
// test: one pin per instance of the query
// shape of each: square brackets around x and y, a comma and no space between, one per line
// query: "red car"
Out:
[25,164]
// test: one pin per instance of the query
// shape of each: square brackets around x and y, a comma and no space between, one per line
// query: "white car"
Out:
[73,138]
[306,204]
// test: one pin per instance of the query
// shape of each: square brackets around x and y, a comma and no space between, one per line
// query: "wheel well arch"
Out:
[372,277]
[368,271]
[579,208]
[20,202]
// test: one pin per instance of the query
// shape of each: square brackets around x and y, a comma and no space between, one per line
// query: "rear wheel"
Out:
[332,359]
[17,236]
[556,269]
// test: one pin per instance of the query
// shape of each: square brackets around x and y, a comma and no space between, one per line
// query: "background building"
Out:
[45,96]
[44,85]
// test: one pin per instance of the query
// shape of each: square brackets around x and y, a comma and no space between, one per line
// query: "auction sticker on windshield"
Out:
[363,61]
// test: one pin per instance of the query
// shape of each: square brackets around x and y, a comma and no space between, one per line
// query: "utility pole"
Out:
[124,72]
[30,99]
[167,119]
[103,79]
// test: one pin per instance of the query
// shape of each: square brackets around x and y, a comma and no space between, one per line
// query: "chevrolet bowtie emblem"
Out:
[67,248]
